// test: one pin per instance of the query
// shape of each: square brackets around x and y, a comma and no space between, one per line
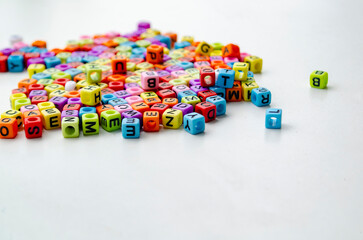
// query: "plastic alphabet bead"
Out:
[151,121]
[172,118]
[91,95]
[234,94]
[255,63]
[14,114]
[193,100]
[21,102]
[111,120]
[149,80]
[225,78]
[220,103]
[119,65]
[194,123]
[241,71]
[70,127]
[131,128]
[207,109]
[318,79]
[51,118]
[154,54]
[207,77]
[90,124]
[8,128]
[273,118]
[261,97]
[184,107]
[15,63]
[33,127]
[247,89]
[231,50]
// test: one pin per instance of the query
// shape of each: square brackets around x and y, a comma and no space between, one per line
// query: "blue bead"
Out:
[220,91]
[130,128]
[118,101]
[261,97]
[73,72]
[225,78]
[164,39]
[26,49]
[273,118]
[88,59]
[107,97]
[185,65]
[181,44]
[137,56]
[131,44]
[16,63]
[74,59]
[220,103]
[194,123]
[250,74]
[40,50]
[85,110]
[52,62]
[41,75]
[139,50]
[185,93]
[230,64]
[186,44]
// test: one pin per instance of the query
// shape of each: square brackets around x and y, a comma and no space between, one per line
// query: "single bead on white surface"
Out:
[15,39]
[70,86]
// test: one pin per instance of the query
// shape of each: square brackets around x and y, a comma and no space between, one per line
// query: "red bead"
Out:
[160,108]
[207,109]
[33,127]
[19,90]
[204,94]
[207,77]
[27,56]
[116,85]
[166,93]
[3,63]
[231,50]
[72,107]
[39,99]
[35,86]
[61,81]
[166,78]
[165,85]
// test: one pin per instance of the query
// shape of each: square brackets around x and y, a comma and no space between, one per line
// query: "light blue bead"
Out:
[137,56]
[27,49]
[74,59]
[118,101]
[41,75]
[139,50]
[220,103]
[131,44]
[250,74]
[108,97]
[194,123]
[164,39]
[73,72]
[130,128]
[185,93]
[185,65]
[88,59]
[261,97]
[220,91]
[225,78]
[230,64]
[16,63]
[52,62]
[85,110]
[273,118]
[40,50]
[184,44]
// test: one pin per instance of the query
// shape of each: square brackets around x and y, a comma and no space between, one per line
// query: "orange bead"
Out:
[202,58]
[101,108]
[32,113]
[170,101]
[56,50]
[230,50]
[39,44]
[214,63]
[25,83]
[152,101]
[79,77]
[72,94]
[154,54]
[140,107]
[8,128]
[110,44]
[151,121]
[173,38]
[117,78]
[234,94]
[225,66]
[119,65]
[71,48]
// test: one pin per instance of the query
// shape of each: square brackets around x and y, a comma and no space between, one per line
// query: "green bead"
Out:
[94,73]
[18,103]
[90,124]
[143,43]
[70,127]
[124,54]
[111,120]
[61,75]
[45,81]
[319,79]
[51,71]
[124,49]
[217,46]
[63,56]
[120,40]
[85,41]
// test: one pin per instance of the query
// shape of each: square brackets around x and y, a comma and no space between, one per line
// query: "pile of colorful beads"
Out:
[133,82]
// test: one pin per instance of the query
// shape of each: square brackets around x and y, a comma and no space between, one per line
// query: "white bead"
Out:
[70,86]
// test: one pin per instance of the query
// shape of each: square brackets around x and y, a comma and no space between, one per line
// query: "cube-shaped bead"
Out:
[16,115]
[151,121]
[207,77]
[122,94]
[85,110]
[172,118]
[51,118]
[53,87]
[94,74]
[255,63]
[149,80]
[225,78]
[230,50]
[27,108]
[273,118]
[220,103]
[261,97]
[123,108]
[90,124]
[247,89]
[319,79]
[119,65]
[241,71]
[135,91]
[219,91]
[111,120]
[117,101]
[140,107]
[35,68]
[59,102]
[69,113]
[106,98]
[198,88]
[154,54]
[159,107]
[133,99]
[8,128]
[131,128]
[51,62]
[33,113]
[207,109]
[70,127]
[234,94]
[58,93]
[170,101]
[184,107]
[185,93]
[21,102]
[45,105]
[16,96]
[204,94]
[103,107]
[91,95]
[192,100]
[26,83]
[146,95]
[39,99]
[204,48]
[15,63]
[33,127]
[72,106]
[166,93]
[194,123]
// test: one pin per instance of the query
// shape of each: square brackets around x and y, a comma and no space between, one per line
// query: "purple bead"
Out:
[174,68]
[122,94]
[194,82]
[132,114]
[99,41]
[128,35]
[100,48]
[213,58]
[184,107]
[59,102]
[95,53]
[161,44]
[35,61]
[69,113]
[79,54]
[34,93]
[143,25]
[163,73]
[166,58]
[75,101]
[198,88]
[7,51]
[140,31]
[63,67]
[47,54]
[131,85]
[152,40]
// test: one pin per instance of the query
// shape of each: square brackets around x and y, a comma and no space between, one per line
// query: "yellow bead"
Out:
[83,42]
[241,70]
[14,97]
[45,105]
[144,65]
[131,66]
[50,71]
[81,84]
[14,114]
[255,63]
[124,49]
[176,55]
[192,71]
[83,68]
[91,95]
[102,61]
[51,118]
[216,53]
[247,89]
[204,49]
[120,40]
[166,50]
[217,46]
[63,56]
[193,100]
[146,95]
[21,102]
[172,62]
[61,75]
[176,82]
[153,31]
[181,51]
[133,79]
[172,118]
[53,87]
[35,68]
[138,72]
[147,35]
[189,39]
[45,81]
[101,85]
[94,73]
[58,93]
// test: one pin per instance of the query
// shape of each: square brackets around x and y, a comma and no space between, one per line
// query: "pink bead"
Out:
[179,73]
[122,108]
[112,34]
[27,108]
[134,99]
[230,59]
[149,80]
[106,55]
[201,64]
[135,91]
[100,40]
[85,37]
[19,45]
[180,88]
[243,55]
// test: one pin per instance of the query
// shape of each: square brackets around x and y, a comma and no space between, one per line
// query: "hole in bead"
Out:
[273,121]
[32,119]
[70,130]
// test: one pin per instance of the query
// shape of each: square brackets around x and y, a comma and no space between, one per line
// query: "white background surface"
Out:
[236,181]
